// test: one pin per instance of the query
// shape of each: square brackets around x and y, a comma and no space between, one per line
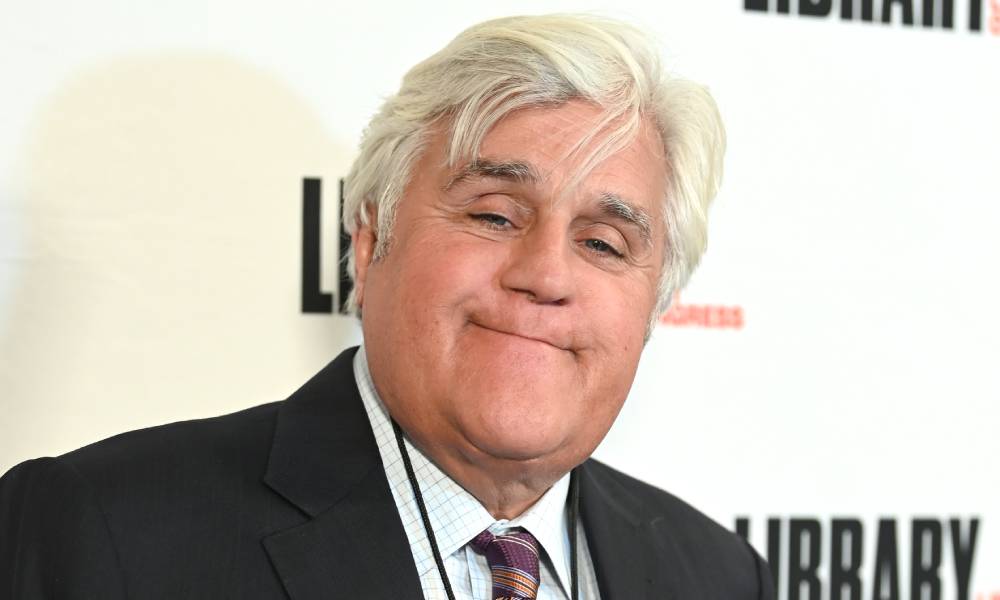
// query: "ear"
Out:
[363,245]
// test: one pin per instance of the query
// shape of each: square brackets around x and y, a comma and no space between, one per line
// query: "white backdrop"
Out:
[151,166]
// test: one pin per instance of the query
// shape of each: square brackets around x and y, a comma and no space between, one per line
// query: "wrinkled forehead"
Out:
[547,156]
[568,145]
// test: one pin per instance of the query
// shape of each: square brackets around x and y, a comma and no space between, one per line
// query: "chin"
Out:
[518,428]
[515,446]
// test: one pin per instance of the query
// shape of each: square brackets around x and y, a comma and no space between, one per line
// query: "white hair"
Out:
[503,65]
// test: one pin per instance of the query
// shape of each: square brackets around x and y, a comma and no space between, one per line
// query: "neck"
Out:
[505,488]
[503,497]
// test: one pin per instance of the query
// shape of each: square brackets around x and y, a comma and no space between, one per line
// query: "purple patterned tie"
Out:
[513,560]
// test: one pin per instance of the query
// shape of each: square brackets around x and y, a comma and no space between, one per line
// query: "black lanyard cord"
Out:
[574,515]
[574,508]
[423,510]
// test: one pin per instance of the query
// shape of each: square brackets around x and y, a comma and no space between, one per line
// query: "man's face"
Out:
[507,319]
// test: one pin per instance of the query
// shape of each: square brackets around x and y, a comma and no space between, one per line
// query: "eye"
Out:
[602,247]
[492,220]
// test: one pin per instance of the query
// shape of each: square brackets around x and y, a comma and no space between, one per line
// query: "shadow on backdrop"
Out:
[158,273]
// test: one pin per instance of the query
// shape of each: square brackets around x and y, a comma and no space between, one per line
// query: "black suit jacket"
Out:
[290,499]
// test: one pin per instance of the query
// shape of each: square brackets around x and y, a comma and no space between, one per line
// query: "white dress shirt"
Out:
[457,516]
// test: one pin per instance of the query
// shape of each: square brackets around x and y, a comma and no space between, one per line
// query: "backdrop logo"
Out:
[314,299]
[814,561]
[933,14]
[710,316]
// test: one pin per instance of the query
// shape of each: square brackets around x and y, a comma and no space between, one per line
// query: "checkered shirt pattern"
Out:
[457,518]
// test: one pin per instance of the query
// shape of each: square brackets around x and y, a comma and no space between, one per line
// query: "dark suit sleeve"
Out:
[765,582]
[54,536]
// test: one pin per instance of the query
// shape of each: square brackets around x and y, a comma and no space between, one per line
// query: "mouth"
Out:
[530,337]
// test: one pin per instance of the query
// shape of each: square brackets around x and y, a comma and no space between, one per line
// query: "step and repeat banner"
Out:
[827,385]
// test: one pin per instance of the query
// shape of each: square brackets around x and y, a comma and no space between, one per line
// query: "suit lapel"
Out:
[629,561]
[325,461]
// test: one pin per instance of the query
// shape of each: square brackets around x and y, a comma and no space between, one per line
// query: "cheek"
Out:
[619,311]
[438,274]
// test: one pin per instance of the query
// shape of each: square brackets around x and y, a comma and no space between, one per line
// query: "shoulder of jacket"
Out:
[216,447]
[704,544]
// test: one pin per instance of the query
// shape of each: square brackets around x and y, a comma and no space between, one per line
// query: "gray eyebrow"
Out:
[612,205]
[615,206]
[516,171]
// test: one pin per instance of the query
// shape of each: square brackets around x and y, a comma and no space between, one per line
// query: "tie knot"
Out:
[513,561]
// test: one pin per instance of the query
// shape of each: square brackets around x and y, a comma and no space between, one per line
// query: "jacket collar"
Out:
[630,560]
[323,444]
[324,461]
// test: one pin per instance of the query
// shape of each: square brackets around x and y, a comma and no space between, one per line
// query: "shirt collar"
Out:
[455,514]
[547,521]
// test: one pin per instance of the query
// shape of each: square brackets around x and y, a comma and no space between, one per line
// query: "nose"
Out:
[540,266]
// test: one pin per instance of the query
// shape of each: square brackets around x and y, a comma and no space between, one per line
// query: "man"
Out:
[521,211]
